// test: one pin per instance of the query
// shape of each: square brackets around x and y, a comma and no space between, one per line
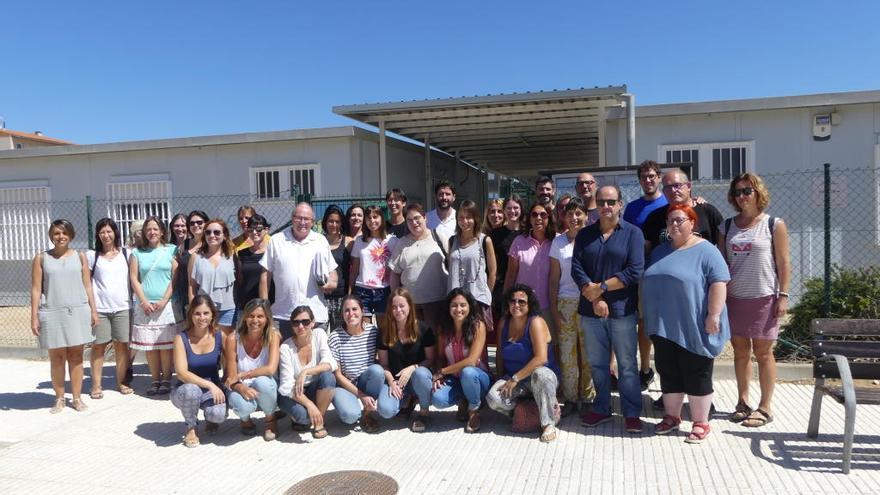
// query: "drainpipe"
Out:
[630,100]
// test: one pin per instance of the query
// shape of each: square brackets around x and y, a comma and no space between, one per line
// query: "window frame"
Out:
[23,238]
[705,150]
[128,191]
[284,179]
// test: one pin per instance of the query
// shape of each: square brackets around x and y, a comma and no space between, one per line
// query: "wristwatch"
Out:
[514,378]
[603,286]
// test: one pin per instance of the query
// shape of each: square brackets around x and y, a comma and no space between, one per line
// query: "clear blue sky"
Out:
[105,71]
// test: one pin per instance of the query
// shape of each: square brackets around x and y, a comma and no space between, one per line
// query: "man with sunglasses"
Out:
[586,187]
[298,260]
[607,263]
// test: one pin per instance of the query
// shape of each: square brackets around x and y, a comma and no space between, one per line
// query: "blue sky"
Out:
[105,71]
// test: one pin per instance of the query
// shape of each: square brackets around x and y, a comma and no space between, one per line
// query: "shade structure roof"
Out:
[513,134]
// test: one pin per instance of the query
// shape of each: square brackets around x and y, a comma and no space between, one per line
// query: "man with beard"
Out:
[586,187]
[442,218]
[545,191]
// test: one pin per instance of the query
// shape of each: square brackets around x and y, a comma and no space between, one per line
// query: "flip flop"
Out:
[125,389]
[97,394]
[758,418]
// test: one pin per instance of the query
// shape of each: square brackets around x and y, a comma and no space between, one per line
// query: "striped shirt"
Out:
[750,257]
[354,353]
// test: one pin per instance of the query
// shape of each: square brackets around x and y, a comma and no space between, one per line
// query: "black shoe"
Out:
[613,382]
[646,377]
[658,404]
[129,375]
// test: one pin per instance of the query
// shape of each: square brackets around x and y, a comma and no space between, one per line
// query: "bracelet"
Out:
[781,294]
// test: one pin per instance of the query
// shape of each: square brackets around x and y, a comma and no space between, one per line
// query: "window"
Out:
[130,201]
[728,159]
[24,218]
[285,182]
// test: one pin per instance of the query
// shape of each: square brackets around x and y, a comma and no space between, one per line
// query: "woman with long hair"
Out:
[332,224]
[494,217]
[213,271]
[354,221]
[462,371]
[755,246]
[151,269]
[369,276]
[179,230]
[63,310]
[112,292]
[251,355]
[307,366]
[525,361]
[471,260]
[406,351]
[197,354]
[502,238]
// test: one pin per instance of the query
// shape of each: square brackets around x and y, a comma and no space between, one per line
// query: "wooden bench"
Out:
[841,351]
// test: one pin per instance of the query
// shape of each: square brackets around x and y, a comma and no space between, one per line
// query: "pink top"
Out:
[534,265]
[455,350]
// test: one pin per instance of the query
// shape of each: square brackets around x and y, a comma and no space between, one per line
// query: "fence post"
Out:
[89,224]
[826,306]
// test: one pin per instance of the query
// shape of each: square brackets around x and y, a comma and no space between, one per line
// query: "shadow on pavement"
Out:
[162,434]
[798,452]
[25,401]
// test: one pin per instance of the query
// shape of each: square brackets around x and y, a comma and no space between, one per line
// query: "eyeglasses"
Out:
[649,178]
[746,191]
[606,202]
[302,219]
[258,229]
[193,223]
[586,182]
[518,302]
[297,323]
[216,233]
[677,220]
[674,187]
[539,214]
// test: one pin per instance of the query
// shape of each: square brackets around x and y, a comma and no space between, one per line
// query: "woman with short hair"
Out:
[755,246]
[462,371]
[63,310]
[197,354]
[683,293]
[112,292]
[528,260]
[251,355]
[525,361]
[307,373]
[151,269]
[250,269]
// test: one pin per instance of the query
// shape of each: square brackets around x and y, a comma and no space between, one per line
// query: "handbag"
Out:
[525,417]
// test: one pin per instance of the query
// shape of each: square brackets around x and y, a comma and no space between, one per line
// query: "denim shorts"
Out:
[374,300]
[227,318]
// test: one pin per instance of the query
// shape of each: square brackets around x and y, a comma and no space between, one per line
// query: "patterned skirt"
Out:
[156,331]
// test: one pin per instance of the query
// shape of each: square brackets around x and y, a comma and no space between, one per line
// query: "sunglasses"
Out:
[539,214]
[746,191]
[297,323]
[258,229]
[216,233]
[193,223]
[606,202]
[518,302]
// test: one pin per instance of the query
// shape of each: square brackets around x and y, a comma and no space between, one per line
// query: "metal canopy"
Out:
[515,134]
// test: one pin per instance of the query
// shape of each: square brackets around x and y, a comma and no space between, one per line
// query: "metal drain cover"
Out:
[346,483]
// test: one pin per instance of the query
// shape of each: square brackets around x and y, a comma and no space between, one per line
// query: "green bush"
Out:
[855,293]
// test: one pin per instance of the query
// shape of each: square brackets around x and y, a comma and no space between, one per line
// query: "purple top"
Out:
[534,265]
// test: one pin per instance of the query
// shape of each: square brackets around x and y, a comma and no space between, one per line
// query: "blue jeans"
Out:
[472,384]
[265,401]
[371,382]
[603,335]
[297,411]
[374,300]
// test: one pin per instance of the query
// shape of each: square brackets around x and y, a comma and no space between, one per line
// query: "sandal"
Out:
[667,425]
[698,436]
[419,423]
[59,406]
[248,428]
[271,431]
[191,442]
[473,422]
[549,434]
[96,394]
[369,423]
[319,433]
[758,418]
[741,412]
[153,389]
[164,388]
[125,389]
[78,405]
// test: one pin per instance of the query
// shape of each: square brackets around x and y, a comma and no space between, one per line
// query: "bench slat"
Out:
[849,348]
[864,395]
[839,326]
[860,371]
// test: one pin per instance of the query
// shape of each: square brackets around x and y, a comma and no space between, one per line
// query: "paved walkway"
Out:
[131,444]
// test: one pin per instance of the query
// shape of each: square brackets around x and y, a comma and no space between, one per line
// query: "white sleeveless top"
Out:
[750,258]
[247,363]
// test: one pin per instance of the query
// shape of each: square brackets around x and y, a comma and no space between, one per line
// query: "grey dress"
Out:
[65,315]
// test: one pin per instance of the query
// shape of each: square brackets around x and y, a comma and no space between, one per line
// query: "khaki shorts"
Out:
[113,326]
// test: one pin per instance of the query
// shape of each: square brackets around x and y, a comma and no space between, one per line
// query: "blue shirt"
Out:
[675,296]
[595,259]
[515,355]
[637,211]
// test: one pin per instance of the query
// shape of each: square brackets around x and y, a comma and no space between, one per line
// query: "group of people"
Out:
[382,315]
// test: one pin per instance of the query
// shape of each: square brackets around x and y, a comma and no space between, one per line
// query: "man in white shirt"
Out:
[442,219]
[299,261]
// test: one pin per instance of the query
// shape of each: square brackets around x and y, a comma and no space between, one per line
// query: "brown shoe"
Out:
[369,422]
[473,422]
[248,428]
[271,431]
[462,413]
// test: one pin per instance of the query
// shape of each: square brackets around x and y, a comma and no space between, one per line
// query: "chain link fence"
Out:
[847,200]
